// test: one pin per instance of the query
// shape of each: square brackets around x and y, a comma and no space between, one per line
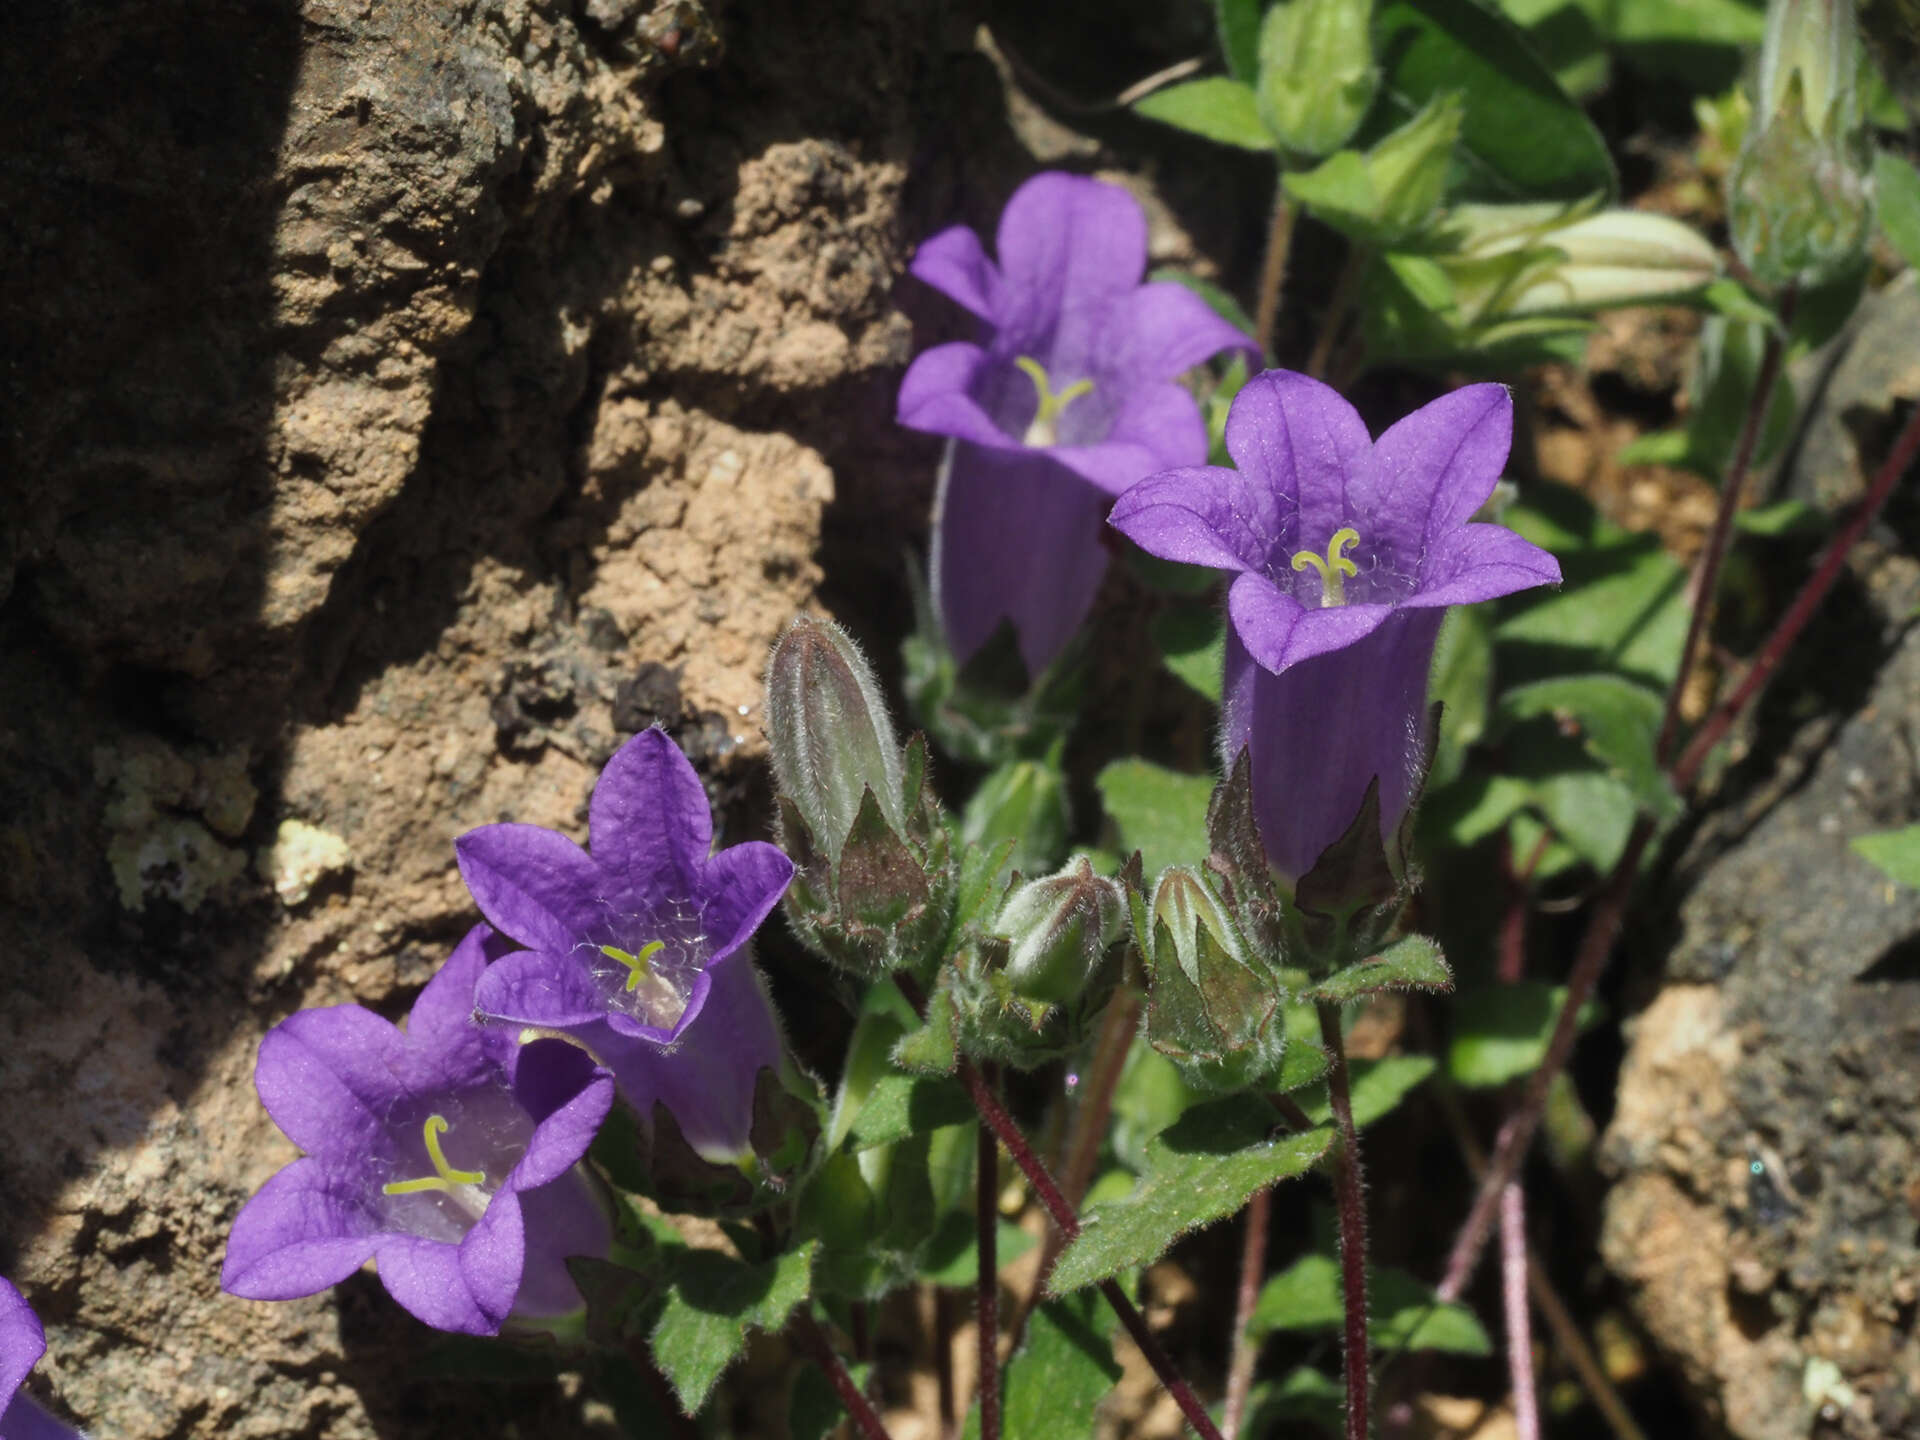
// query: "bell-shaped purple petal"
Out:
[1012,542]
[565,1218]
[23,1419]
[1345,552]
[305,1230]
[467,1288]
[329,1076]
[1015,540]
[532,884]
[648,822]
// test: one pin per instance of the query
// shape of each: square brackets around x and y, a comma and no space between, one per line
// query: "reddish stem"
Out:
[1687,769]
[986,1197]
[1720,538]
[1349,1197]
[814,1341]
[1513,1295]
[1253,1269]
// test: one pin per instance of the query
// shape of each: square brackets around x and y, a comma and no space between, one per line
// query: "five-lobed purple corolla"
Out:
[445,1153]
[635,946]
[1069,400]
[1345,552]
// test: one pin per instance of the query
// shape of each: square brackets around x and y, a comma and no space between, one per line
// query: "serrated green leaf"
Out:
[1375,1088]
[1307,1296]
[1304,1063]
[1062,1372]
[714,1301]
[1500,1032]
[1412,962]
[1616,721]
[1895,852]
[1523,136]
[1897,186]
[1192,640]
[1200,1169]
[1159,812]
[1217,109]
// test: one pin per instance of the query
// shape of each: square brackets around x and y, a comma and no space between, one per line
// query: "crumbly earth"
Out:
[1765,1147]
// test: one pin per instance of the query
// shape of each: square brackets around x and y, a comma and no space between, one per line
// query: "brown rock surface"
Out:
[406,401]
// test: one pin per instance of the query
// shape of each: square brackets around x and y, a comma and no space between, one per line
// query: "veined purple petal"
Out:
[440,1026]
[1204,515]
[1016,538]
[1483,562]
[1111,466]
[1067,247]
[1322,730]
[466,1288]
[566,1123]
[1162,419]
[742,884]
[1431,471]
[1282,633]
[533,884]
[954,263]
[22,1340]
[649,821]
[1160,331]
[535,988]
[328,1076]
[1305,444]
[306,1229]
[565,1218]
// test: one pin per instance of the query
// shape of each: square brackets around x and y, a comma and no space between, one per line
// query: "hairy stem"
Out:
[1687,769]
[1350,1198]
[1273,267]
[1707,575]
[811,1338]
[1513,1297]
[986,1199]
[1253,1269]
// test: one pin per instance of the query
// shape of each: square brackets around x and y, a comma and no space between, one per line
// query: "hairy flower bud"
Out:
[1317,79]
[1211,1007]
[1059,930]
[829,732]
[1520,260]
[1800,197]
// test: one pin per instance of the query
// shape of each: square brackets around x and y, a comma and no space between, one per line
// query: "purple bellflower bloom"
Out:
[635,951]
[1346,552]
[444,1153]
[1070,400]
[22,1343]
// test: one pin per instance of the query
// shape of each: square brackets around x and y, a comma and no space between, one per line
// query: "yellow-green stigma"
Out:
[444,1176]
[1044,428]
[637,967]
[1333,566]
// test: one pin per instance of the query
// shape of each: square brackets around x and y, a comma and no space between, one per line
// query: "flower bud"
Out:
[1519,260]
[1211,1008]
[829,732]
[1800,197]
[1059,930]
[1316,80]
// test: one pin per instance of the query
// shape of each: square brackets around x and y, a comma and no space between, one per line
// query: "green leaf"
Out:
[1896,852]
[1200,1169]
[1474,807]
[1411,963]
[714,1300]
[1375,1087]
[1216,109]
[814,1408]
[1781,520]
[930,1049]
[952,1256]
[1061,1373]
[1727,296]
[902,1105]
[1898,187]
[1303,1394]
[1591,811]
[1500,1032]
[1192,640]
[1693,23]
[1615,720]
[1239,27]
[1461,680]
[1523,136]
[1159,812]
[1307,1296]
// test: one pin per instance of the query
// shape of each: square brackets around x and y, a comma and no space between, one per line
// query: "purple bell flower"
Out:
[22,1343]
[635,951]
[445,1154]
[1070,401]
[1346,552]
